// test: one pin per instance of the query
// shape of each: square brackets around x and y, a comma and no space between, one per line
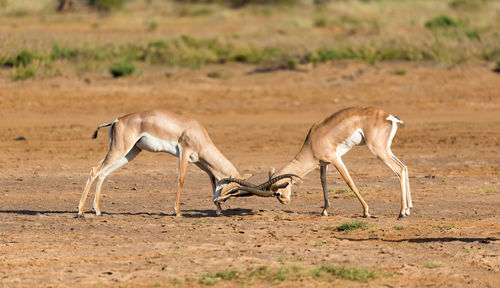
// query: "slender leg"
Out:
[399,169]
[406,181]
[182,174]
[90,180]
[213,181]
[324,169]
[345,174]
[108,170]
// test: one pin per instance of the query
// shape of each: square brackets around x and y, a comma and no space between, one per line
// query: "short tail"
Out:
[394,119]
[102,126]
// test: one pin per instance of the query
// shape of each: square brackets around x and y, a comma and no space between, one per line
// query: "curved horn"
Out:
[237,181]
[254,191]
[266,185]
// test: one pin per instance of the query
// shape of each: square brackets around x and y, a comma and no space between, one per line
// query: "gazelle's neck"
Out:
[214,162]
[303,164]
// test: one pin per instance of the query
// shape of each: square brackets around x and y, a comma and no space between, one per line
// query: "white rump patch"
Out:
[395,122]
[355,139]
[153,144]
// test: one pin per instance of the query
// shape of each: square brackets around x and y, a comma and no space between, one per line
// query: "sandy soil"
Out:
[451,144]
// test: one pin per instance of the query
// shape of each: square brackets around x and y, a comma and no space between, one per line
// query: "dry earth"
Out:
[451,144]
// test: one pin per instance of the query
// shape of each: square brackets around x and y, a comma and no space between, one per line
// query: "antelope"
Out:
[159,131]
[325,144]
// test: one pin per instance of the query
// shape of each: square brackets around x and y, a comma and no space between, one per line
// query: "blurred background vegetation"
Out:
[47,38]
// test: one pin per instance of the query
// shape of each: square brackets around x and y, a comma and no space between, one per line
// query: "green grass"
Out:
[122,69]
[442,21]
[349,227]
[213,278]
[399,228]
[458,31]
[358,274]
[431,265]
[400,72]
[347,192]
[295,274]
[497,67]
[487,191]
[23,73]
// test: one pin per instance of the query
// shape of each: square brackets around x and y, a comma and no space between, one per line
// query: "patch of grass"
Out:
[347,192]
[442,21]
[213,278]
[319,244]
[431,265]
[349,227]
[444,227]
[214,74]
[24,58]
[399,228]
[277,275]
[497,67]
[24,73]
[152,26]
[400,72]
[358,274]
[107,5]
[63,53]
[122,69]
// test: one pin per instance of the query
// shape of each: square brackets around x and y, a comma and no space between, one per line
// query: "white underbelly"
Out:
[153,144]
[357,138]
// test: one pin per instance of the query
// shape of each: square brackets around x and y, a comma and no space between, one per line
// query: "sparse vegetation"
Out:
[453,40]
[276,275]
[399,228]
[497,70]
[349,227]
[442,21]
[24,73]
[122,69]
[432,265]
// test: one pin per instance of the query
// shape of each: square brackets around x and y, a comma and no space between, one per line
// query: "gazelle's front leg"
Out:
[213,182]
[323,171]
[345,174]
[182,174]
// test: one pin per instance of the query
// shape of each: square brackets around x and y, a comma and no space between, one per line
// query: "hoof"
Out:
[178,215]
[367,215]
[401,215]
[324,213]
[98,214]
[219,214]
[373,216]
[80,216]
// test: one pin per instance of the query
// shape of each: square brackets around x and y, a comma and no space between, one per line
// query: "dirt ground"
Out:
[450,142]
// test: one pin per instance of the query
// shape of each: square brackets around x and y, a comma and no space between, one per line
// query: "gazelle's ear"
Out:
[246,176]
[271,172]
[297,182]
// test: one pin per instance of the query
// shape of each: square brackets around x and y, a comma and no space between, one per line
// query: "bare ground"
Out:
[451,144]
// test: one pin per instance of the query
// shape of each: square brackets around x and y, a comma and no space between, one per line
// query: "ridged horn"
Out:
[266,185]
[254,191]
[237,181]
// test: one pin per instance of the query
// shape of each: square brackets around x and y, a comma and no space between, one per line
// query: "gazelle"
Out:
[325,144]
[159,131]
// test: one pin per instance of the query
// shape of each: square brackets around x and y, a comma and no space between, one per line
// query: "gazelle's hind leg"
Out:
[385,154]
[324,169]
[345,174]
[109,167]
[90,180]
[183,161]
